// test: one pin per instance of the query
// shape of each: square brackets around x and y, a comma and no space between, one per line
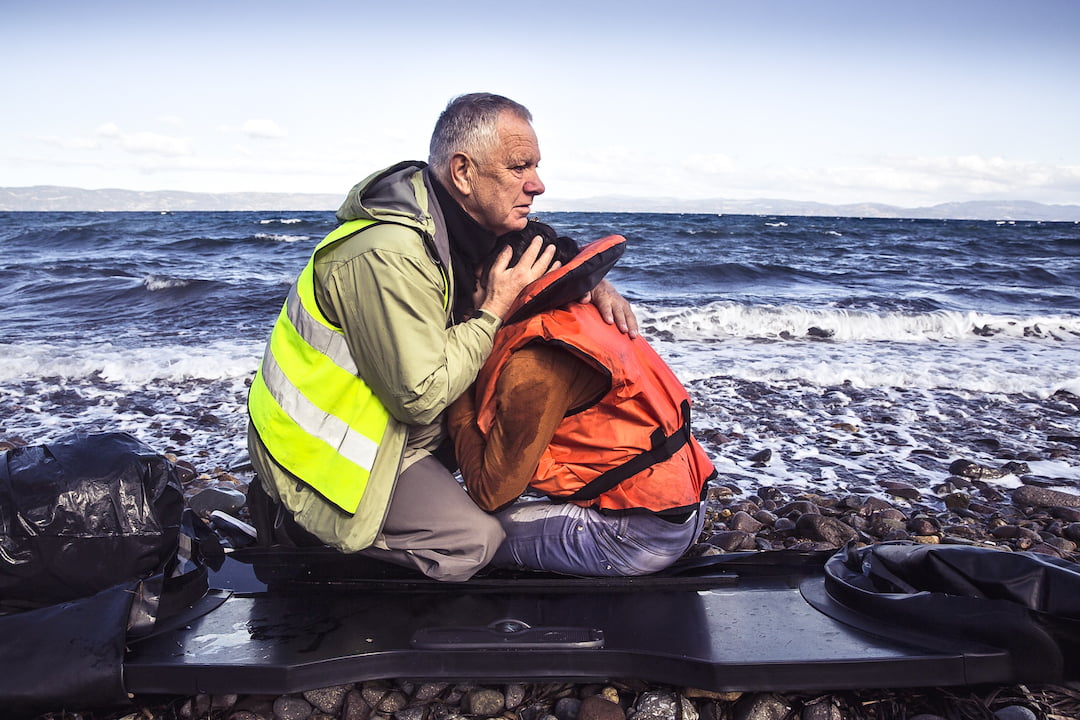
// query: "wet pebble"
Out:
[762,706]
[291,708]
[1031,495]
[328,700]
[661,705]
[1014,712]
[598,707]
[227,500]
[824,529]
[486,702]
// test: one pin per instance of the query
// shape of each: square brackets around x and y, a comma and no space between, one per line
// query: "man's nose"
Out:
[534,185]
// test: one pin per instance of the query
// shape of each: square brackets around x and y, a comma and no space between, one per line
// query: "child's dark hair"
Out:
[519,240]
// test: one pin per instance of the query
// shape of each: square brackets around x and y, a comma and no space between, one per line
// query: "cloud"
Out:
[905,180]
[109,129]
[69,143]
[142,143]
[148,143]
[263,128]
[988,174]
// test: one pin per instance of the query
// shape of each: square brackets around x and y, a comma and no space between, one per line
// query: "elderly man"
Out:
[376,339]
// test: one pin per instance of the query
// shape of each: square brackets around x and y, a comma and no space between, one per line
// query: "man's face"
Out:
[505,182]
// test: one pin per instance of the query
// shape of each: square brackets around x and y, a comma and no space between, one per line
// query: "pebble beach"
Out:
[1001,495]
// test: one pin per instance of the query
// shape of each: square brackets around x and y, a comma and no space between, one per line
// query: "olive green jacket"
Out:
[389,288]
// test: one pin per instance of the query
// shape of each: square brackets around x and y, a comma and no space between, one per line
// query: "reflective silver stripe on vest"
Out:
[327,341]
[333,431]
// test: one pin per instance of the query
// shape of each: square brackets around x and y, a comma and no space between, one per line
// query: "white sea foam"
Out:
[128,367]
[725,319]
[829,347]
[282,238]
[159,282]
[1028,368]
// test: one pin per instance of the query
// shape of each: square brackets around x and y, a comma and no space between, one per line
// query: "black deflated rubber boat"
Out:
[111,587]
[892,615]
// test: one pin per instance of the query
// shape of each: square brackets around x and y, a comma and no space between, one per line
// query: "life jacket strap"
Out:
[663,447]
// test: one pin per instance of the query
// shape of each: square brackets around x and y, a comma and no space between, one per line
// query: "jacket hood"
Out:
[396,194]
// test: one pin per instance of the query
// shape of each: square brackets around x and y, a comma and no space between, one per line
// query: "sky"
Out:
[905,102]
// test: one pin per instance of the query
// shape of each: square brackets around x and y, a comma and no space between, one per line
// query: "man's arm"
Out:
[388,303]
[613,307]
[538,385]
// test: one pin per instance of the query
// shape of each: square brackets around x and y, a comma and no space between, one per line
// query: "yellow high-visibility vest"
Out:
[315,415]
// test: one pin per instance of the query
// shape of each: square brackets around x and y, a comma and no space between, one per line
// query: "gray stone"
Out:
[533,711]
[429,691]
[328,700]
[412,712]
[222,702]
[973,470]
[567,708]
[383,698]
[292,708]
[825,529]
[732,540]
[824,710]
[1044,497]
[742,521]
[1014,712]
[260,705]
[597,707]
[900,489]
[514,695]
[355,707]
[761,706]
[660,705]
[227,500]
[195,707]
[485,702]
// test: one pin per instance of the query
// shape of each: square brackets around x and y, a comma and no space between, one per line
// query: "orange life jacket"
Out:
[631,449]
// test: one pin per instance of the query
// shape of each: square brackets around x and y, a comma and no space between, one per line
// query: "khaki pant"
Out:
[434,526]
[431,525]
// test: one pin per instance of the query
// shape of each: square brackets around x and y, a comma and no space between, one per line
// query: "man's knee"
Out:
[490,536]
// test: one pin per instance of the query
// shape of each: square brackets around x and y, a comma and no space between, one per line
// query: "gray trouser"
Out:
[433,525]
[567,538]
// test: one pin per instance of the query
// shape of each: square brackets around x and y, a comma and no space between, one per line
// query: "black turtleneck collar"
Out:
[470,244]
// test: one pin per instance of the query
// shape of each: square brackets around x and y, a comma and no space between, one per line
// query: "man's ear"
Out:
[461,170]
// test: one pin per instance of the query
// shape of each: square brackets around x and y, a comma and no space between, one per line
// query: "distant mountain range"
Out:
[51,198]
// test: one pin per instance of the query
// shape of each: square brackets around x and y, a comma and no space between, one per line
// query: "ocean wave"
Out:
[725,319]
[130,368]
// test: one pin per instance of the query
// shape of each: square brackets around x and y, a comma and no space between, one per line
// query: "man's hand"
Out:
[613,307]
[504,284]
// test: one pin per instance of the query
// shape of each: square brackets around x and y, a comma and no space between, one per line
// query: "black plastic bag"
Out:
[96,547]
[83,514]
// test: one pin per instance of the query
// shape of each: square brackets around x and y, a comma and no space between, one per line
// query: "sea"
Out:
[823,355]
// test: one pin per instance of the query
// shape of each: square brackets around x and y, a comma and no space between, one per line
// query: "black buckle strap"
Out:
[663,447]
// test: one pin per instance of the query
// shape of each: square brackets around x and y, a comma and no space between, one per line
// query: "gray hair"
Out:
[469,125]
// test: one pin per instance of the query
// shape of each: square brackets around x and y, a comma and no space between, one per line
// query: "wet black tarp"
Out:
[88,529]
